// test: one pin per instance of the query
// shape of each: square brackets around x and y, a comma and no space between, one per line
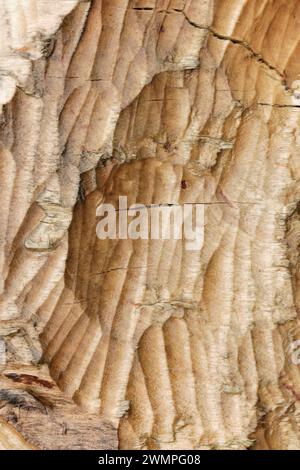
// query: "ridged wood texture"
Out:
[175,349]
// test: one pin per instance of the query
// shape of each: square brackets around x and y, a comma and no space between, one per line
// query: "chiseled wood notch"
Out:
[142,343]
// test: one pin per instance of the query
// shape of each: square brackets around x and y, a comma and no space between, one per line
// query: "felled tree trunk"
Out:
[142,344]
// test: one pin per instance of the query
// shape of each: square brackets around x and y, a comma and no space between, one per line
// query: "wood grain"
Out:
[165,102]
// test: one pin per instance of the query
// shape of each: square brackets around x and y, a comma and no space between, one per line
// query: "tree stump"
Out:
[143,344]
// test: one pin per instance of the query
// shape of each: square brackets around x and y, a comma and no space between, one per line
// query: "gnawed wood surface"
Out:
[32,403]
[175,349]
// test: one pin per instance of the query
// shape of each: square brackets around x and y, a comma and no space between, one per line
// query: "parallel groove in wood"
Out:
[177,349]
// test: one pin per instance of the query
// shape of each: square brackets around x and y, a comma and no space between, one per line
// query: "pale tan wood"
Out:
[168,348]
